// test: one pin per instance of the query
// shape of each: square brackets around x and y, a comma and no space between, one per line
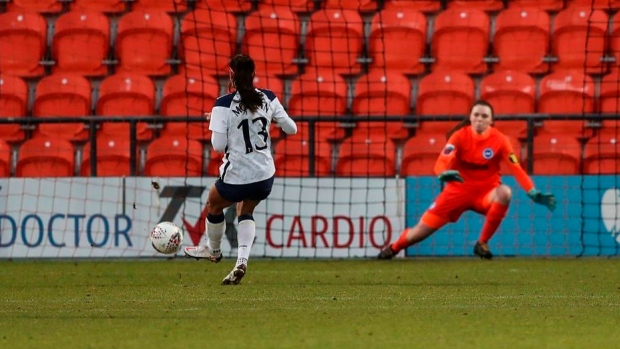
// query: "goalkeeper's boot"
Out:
[482,250]
[386,253]
[203,252]
[235,276]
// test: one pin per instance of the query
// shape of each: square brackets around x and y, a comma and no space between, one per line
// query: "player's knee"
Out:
[503,194]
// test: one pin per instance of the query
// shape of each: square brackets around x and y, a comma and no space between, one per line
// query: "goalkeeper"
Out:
[469,165]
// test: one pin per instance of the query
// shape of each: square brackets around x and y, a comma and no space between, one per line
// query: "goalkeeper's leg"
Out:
[429,223]
[496,204]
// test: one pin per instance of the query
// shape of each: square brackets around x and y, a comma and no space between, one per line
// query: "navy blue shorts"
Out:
[238,192]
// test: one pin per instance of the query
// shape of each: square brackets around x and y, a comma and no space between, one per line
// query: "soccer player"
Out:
[469,165]
[240,123]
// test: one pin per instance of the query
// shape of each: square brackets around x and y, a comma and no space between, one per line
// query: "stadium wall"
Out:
[330,217]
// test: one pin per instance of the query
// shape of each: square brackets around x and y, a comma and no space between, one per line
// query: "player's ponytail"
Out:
[467,121]
[242,79]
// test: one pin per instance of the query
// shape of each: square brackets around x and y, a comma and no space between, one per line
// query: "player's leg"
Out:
[215,227]
[246,228]
[408,237]
[448,207]
[494,205]
[246,231]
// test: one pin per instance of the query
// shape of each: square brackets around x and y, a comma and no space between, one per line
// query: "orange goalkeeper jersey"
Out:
[477,158]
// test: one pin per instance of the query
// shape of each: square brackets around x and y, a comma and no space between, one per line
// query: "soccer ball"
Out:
[166,238]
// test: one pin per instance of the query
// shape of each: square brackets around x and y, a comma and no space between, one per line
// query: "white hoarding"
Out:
[111,217]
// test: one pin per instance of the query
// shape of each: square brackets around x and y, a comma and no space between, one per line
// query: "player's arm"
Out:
[546,199]
[218,124]
[444,161]
[282,119]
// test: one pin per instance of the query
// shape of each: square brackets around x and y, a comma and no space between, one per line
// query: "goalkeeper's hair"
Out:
[242,68]
[467,121]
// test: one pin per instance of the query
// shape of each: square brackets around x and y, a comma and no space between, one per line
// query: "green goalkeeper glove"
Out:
[450,176]
[546,199]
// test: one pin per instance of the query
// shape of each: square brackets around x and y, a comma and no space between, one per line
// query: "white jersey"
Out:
[248,156]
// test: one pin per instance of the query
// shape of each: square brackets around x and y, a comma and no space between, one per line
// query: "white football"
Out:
[166,238]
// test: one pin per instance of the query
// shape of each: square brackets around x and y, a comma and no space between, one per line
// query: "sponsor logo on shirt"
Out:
[487,153]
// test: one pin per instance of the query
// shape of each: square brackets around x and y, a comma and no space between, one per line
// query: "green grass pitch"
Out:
[414,303]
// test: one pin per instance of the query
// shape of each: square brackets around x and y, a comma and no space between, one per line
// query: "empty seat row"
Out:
[359,155]
[56,157]
[314,94]
[118,6]
[335,38]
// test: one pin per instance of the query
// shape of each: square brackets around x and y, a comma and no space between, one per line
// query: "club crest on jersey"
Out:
[448,149]
[487,153]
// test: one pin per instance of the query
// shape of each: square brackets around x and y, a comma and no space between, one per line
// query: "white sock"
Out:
[215,232]
[246,231]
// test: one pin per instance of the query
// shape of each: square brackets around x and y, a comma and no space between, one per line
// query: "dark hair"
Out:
[466,121]
[242,67]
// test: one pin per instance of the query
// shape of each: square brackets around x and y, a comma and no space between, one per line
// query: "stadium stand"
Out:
[39,6]
[292,157]
[5,159]
[361,156]
[106,6]
[174,156]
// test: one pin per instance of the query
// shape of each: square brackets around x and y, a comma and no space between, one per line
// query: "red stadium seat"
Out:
[521,40]
[381,93]
[144,43]
[460,40]
[172,6]
[546,5]
[63,95]
[609,127]
[113,157]
[187,96]
[292,157]
[225,5]
[81,43]
[319,93]
[215,160]
[556,155]
[13,104]
[107,6]
[360,156]
[208,41]
[601,154]
[609,93]
[174,156]
[566,93]
[335,40]
[23,41]
[126,95]
[272,83]
[595,4]
[509,92]
[45,157]
[421,5]
[614,40]
[390,29]
[265,27]
[41,6]
[5,159]
[579,39]
[357,5]
[445,93]
[293,5]
[420,154]
[484,5]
